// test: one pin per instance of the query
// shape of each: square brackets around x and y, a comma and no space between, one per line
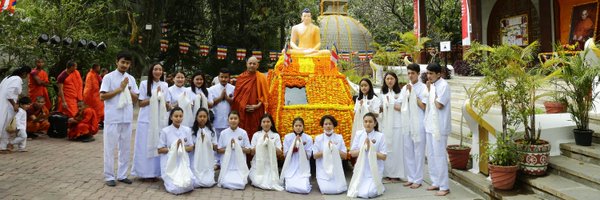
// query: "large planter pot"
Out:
[555,107]
[459,156]
[503,177]
[583,137]
[534,157]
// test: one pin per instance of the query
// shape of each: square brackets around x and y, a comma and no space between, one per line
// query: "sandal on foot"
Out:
[442,193]
[407,184]
[432,188]
[415,186]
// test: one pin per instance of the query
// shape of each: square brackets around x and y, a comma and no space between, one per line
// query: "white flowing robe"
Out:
[234,171]
[264,172]
[295,173]
[368,170]
[390,125]
[203,158]
[151,119]
[175,165]
[413,132]
[330,173]
[200,101]
[184,97]
[369,105]
[10,88]
[437,127]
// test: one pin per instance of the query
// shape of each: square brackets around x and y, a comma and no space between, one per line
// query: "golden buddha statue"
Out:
[306,38]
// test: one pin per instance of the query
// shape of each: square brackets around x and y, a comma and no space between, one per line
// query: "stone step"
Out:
[481,185]
[589,154]
[558,187]
[579,171]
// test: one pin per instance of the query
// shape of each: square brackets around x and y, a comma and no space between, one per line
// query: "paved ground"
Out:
[61,169]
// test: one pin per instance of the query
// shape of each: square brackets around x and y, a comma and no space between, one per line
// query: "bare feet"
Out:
[442,193]
[432,188]
[10,146]
[415,186]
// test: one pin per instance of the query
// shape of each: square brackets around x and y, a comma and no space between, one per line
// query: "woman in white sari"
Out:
[329,150]
[10,89]
[266,148]
[205,143]
[391,129]
[198,87]
[175,142]
[182,97]
[370,148]
[233,144]
[295,173]
[366,102]
[152,118]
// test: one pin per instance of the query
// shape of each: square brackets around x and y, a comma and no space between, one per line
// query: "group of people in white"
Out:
[185,148]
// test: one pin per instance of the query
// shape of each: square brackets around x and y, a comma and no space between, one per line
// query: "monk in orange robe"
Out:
[583,29]
[91,91]
[70,90]
[37,118]
[38,80]
[250,97]
[84,125]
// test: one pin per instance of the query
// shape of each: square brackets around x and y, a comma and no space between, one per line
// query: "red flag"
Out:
[8,5]
[287,59]
[334,55]
[416,18]
[466,21]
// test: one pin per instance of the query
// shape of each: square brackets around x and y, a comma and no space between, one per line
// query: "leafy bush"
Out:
[463,68]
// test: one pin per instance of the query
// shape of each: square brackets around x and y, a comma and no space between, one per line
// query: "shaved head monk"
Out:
[91,91]
[250,96]
[38,80]
[70,90]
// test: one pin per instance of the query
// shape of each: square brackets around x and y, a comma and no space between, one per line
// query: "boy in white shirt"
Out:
[118,91]
[20,118]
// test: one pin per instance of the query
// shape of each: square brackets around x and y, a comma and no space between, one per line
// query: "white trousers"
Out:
[119,135]
[217,155]
[437,160]
[414,158]
[4,136]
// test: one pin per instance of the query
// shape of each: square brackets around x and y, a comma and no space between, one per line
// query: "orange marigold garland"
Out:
[327,93]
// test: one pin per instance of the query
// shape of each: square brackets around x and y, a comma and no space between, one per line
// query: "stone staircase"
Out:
[575,174]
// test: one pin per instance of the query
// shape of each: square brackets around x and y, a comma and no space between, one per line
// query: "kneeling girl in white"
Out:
[233,144]
[329,150]
[370,148]
[175,142]
[266,145]
[203,156]
[295,172]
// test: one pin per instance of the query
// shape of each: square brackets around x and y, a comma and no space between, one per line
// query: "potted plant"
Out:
[577,75]
[459,154]
[498,88]
[555,105]
[535,152]
[503,162]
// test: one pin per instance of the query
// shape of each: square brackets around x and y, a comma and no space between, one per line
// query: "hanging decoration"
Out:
[273,55]
[184,47]
[140,39]
[344,55]
[240,54]
[164,45]
[221,52]
[257,54]
[362,55]
[370,54]
[164,28]
[204,50]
